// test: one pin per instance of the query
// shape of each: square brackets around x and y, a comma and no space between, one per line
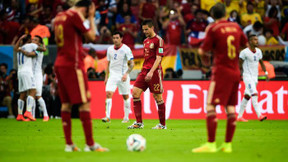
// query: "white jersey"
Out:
[25,63]
[37,63]
[118,60]
[250,64]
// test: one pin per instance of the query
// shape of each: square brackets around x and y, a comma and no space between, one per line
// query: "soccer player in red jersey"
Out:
[150,77]
[224,39]
[69,68]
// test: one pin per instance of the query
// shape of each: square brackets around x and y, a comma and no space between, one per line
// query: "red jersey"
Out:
[128,38]
[224,39]
[174,33]
[69,28]
[152,47]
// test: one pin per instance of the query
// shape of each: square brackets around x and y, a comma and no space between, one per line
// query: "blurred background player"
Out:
[120,64]
[224,39]
[151,76]
[37,72]
[25,76]
[69,67]
[37,69]
[249,59]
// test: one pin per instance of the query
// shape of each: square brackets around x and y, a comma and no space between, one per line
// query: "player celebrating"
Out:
[117,74]
[26,77]
[150,76]
[249,58]
[224,39]
[69,68]
[37,72]
[37,69]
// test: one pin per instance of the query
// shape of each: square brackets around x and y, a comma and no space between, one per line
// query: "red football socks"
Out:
[87,127]
[66,123]
[211,123]
[137,105]
[230,128]
[161,113]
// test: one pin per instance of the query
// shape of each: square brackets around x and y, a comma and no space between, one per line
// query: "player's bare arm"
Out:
[154,67]
[19,42]
[264,69]
[28,54]
[107,73]
[130,68]
[241,64]
[91,35]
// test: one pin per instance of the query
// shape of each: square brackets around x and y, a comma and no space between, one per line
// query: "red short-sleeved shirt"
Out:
[173,33]
[285,31]
[224,39]
[69,29]
[152,47]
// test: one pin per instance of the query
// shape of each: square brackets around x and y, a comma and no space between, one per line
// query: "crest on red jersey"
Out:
[151,46]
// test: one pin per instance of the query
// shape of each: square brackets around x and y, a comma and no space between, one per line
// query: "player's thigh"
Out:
[233,98]
[111,85]
[124,87]
[63,93]
[73,85]
[219,91]
[20,83]
[140,82]
[39,85]
[250,86]
[28,81]
[156,85]
[78,89]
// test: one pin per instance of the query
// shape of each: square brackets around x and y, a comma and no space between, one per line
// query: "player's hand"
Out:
[148,77]
[91,12]
[19,49]
[23,36]
[124,78]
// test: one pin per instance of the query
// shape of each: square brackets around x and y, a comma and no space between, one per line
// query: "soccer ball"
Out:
[136,142]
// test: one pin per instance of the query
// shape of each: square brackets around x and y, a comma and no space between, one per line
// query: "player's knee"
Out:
[247,97]
[135,94]
[66,107]
[109,94]
[255,94]
[158,97]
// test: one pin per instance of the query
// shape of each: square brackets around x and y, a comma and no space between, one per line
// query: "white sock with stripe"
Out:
[42,106]
[108,107]
[30,103]
[127,108]
[20,106]
[255,105]
[242,107]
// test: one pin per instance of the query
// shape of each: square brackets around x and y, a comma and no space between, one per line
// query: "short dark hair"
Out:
[118,32]
[251,36]
[268,31]
[83,3]
[5,65]
[257,25]
[218,11]
[40,39]
[26,39]
[148,22]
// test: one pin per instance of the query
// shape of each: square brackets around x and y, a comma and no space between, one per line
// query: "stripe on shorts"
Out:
[81,83]
[211,92]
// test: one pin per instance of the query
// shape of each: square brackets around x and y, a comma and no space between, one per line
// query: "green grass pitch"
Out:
[40,141]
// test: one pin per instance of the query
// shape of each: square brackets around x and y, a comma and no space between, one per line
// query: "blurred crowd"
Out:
[179,22]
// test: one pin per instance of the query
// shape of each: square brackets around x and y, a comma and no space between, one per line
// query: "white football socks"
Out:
[30,103]
[42,106]
[20,106]
[242,107]
[255,105]
[108,107]
[126,108]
